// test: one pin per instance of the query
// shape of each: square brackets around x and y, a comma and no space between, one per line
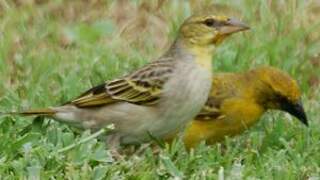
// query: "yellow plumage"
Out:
[238,100]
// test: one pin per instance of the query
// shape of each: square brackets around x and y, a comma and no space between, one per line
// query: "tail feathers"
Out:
[33,112]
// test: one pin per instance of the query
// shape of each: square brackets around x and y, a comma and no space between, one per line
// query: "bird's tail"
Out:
[32,112]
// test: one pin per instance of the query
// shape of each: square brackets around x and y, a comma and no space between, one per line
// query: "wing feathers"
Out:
[143,87]
[211,110]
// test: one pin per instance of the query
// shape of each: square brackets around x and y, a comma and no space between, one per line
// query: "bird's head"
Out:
[280,91]
[206,31]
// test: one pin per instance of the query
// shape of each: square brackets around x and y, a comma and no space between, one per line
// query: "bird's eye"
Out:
[210,22]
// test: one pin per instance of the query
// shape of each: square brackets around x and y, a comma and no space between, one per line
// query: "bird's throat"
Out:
[203,57]
[201,54]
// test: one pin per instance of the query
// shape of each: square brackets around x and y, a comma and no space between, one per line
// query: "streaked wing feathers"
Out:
[211,110]
[143,87]
[138,92]
[96,96]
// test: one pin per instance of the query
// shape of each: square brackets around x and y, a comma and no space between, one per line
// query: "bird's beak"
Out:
[232,26]
[297,110]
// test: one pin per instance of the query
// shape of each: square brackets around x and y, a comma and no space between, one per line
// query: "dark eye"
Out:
[210,22]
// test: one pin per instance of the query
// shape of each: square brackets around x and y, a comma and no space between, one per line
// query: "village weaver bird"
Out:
[160,97]
[238,100]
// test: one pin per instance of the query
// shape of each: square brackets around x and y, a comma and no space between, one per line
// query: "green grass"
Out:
[54,50]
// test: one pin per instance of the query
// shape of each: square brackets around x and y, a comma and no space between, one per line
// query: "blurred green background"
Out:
[50,51]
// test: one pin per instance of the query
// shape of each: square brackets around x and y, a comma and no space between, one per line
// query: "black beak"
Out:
[295,109]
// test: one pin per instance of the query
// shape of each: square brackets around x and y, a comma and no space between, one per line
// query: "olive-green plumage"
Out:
[238,100]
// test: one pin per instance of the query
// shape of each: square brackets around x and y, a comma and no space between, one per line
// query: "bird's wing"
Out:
[211,110]
[143,87]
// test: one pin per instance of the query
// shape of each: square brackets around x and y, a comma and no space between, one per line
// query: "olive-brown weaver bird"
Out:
[160,97]
[238,100]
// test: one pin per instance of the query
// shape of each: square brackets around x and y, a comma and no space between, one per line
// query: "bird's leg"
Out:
[128,150]
[142,148]
[113,142]
[155,149]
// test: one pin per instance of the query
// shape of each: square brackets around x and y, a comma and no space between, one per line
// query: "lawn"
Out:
[50,51]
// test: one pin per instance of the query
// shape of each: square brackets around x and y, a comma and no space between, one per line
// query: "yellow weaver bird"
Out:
[157,99]
[238,100]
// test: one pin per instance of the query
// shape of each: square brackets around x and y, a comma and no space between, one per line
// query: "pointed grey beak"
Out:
[232,26]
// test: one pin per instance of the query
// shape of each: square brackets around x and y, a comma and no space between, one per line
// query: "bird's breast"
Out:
[185,94]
